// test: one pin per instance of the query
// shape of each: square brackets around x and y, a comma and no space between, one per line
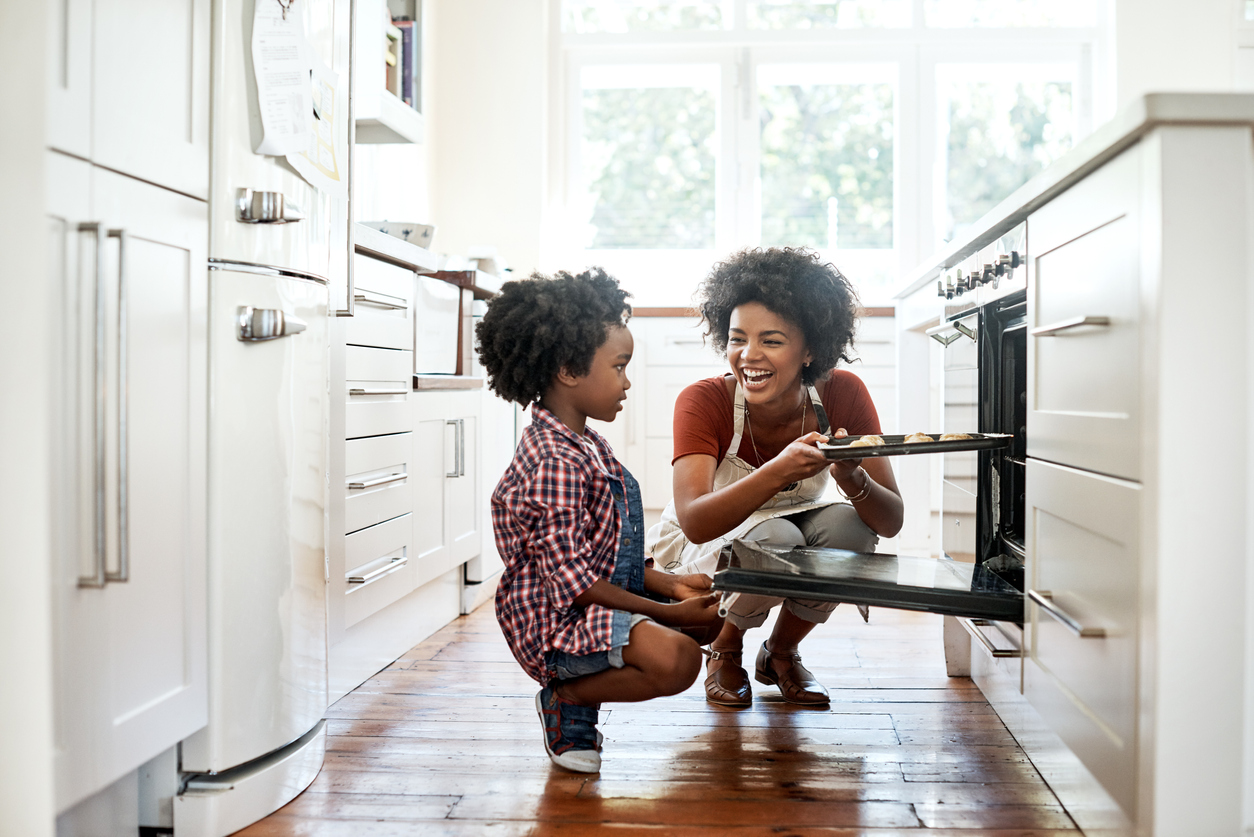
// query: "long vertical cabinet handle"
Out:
[124,552]
[351,301]
[459,448]
[98,578]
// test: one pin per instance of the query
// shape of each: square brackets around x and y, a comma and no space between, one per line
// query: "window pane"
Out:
[648,158]
[827,159]
[586,16]
[960,13]
[827,14]
[1000,133]
[1249,9]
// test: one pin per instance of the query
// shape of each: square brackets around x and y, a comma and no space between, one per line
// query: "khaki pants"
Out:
[837,526]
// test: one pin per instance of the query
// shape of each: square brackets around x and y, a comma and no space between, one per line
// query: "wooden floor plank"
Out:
[445,741]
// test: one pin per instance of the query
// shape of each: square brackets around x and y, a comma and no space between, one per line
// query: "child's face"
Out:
[600,393]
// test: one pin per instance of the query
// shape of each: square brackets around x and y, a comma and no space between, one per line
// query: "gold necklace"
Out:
[749,427]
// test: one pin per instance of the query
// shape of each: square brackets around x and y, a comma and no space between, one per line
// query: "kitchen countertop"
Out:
[1126,128]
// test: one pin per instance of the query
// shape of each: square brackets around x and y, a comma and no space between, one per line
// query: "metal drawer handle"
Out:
[1067,325]
[356,391]
[381,300]
[258,324]
[396,563]
[379,481]
[1045,600]
[973,627]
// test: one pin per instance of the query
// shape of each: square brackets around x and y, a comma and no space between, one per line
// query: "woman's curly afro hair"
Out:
[794,284]
[540,325]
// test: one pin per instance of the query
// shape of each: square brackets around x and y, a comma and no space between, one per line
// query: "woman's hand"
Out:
[842,470]
[800,460]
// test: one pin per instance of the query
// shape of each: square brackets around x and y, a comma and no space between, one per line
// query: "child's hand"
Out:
[691,585]
[696,612]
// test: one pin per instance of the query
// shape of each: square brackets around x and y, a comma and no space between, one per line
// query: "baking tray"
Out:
[896,445]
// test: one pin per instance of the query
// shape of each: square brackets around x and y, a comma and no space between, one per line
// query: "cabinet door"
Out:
[461,492]
[68,74]
[139,486]
[150,97]
[427,474]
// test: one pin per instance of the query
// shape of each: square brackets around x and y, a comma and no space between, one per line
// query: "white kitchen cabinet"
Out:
[128,88]
[1136,689]
[130,591]
[1084,375]
[1080,670]
[447,506]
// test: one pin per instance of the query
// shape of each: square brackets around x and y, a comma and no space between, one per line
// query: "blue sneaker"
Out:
[571,737]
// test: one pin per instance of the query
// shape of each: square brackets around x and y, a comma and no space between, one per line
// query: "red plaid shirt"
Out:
[557,529]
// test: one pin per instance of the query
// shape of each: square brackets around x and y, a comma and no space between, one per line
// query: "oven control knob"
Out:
[960,281]
[1003,262]
[940,287]
[989,274]
[1015,260]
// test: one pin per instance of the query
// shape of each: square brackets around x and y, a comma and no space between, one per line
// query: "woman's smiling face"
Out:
[766,352]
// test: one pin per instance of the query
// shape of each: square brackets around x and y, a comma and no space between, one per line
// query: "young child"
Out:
[567,516]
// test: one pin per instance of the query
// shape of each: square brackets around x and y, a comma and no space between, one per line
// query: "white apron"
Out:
[673,552]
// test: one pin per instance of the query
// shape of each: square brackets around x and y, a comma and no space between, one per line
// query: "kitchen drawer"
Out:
[382,305]
[381,556]
[377,486]
[1084,365]
[378,383]
[663,384]
[674,341]
[1082,550]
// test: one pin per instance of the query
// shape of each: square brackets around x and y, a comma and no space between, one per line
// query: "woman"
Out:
[746,463]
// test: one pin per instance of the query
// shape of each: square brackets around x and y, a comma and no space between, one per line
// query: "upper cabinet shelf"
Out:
[387,71]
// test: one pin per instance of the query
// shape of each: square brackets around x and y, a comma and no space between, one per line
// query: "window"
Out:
[870,130]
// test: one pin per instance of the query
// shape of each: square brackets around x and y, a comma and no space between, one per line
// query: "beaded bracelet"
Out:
[861,495]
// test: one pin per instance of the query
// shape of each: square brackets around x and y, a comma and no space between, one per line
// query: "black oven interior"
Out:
[985,386]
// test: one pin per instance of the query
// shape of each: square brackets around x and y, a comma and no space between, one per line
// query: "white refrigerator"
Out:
[277,261]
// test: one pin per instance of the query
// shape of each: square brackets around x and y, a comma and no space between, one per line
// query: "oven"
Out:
[979,576]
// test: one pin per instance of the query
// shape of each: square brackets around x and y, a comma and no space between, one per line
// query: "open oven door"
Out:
[903,582]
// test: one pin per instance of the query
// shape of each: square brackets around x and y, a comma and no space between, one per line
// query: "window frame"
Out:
[917,51]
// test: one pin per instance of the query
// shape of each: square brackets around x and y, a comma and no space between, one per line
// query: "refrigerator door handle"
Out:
[123,574]
[98,578]
[258,324]
[253,206]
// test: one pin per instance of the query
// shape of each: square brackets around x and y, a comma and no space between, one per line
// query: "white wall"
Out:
[1174,45]
[486,125]
[26,805]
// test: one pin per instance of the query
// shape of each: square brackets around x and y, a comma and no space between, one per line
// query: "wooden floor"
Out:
[446,742]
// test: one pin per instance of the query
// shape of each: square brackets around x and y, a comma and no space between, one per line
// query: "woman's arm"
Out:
[705,514]
[872,489]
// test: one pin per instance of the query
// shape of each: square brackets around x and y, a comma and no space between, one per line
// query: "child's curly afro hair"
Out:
[794,284]
[540,325]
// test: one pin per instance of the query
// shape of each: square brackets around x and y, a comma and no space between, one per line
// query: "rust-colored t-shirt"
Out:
[704,422]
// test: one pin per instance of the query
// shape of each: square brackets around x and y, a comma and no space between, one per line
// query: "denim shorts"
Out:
[570,666]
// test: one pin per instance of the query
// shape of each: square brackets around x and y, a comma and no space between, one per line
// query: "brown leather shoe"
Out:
[728,685]
[796,683]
